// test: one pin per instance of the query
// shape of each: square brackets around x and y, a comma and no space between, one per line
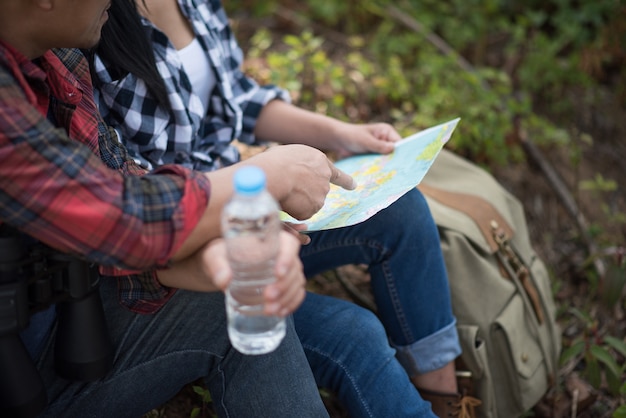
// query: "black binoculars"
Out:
[34,277]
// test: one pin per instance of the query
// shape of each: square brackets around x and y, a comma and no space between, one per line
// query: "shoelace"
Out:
[466,407]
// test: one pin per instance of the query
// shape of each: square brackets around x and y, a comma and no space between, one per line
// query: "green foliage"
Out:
[205,396]
[524,57]
[614,282]
[600,355]
[509,44]
[614,255]
[620,412]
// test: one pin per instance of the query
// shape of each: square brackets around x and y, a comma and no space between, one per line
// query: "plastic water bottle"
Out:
[251,227]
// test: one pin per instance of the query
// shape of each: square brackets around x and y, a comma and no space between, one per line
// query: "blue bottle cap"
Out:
[249,180]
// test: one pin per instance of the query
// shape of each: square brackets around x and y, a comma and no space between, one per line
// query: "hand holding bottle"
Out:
[251,229]
[208,270]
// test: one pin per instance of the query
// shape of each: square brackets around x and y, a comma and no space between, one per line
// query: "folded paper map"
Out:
[381,179]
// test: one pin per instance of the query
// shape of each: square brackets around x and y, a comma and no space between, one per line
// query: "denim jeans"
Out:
[347,347]
[156,355]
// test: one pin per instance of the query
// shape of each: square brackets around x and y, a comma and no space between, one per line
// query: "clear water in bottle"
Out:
[251,226]
[249,329]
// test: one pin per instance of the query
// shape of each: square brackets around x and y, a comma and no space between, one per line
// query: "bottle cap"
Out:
[249,180]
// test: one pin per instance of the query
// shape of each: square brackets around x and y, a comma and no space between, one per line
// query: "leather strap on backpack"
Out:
[497,232]
[481,211]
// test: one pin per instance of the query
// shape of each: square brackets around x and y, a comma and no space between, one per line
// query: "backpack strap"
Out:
[497,233]
[480,210]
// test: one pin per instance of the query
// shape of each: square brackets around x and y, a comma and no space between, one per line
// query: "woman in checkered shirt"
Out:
[168,78]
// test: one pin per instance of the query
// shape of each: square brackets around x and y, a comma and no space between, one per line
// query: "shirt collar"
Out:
[62,82]
[48,70]
[23,70]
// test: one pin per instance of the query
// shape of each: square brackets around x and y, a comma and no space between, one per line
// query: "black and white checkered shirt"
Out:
[186,135]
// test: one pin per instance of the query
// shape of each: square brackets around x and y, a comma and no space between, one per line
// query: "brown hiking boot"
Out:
[447,405]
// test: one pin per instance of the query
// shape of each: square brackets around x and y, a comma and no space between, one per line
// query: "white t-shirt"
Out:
[198,68]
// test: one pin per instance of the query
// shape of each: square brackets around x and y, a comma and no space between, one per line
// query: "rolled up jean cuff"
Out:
[430,353]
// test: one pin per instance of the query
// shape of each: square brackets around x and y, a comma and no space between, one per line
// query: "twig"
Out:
[575,403]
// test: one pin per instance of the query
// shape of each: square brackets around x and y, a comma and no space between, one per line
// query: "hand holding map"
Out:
[381,179]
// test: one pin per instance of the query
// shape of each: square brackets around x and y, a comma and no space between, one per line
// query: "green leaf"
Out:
[593,372]
[195,413]
[613,382]
[199,390]
[620,412]
[605,357]
[614,282]
[572,351]
[616,344]
[585,317]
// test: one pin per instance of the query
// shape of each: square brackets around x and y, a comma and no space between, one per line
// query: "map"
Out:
[381,179]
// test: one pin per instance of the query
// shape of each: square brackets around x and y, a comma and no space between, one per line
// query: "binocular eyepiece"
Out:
[31,280]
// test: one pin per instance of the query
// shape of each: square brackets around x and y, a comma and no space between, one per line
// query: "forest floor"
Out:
[556,236]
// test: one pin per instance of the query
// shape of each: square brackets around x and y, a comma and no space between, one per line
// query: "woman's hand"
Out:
[350,139]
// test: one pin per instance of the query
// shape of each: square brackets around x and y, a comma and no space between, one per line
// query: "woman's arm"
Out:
[287,124]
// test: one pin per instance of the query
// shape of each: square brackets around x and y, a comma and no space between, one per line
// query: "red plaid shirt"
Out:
[67,181]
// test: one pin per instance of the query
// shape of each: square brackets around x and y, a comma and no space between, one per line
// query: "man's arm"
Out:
[60,192]
[298,177]
[208,270]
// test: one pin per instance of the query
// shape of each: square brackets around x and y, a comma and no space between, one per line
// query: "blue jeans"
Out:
[347,346]
[156,355]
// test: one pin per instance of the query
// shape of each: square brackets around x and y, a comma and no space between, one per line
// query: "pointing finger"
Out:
[341,179]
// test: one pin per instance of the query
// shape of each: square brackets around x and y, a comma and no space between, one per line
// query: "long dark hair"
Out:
[125,48]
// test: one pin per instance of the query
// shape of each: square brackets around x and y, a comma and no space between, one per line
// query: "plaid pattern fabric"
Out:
[55,187]
[187,135]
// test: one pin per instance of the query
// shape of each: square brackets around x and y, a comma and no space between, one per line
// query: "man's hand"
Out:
[287,293]
[299,177]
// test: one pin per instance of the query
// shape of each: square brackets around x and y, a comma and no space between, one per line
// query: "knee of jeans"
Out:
[415,203]
[364,329]
[411,209]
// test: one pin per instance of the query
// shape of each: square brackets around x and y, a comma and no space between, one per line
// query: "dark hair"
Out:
[125,49]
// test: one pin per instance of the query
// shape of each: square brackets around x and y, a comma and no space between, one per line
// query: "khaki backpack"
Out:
[501,293]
